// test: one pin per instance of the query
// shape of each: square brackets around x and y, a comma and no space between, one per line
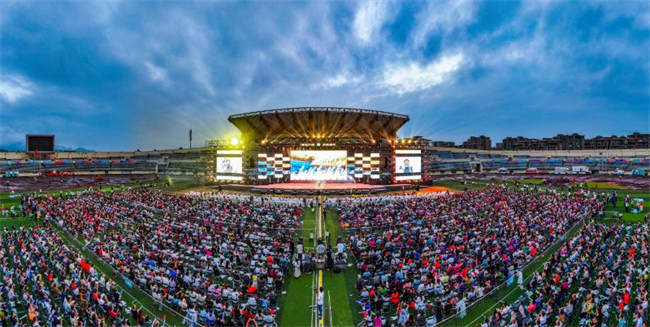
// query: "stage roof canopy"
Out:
[290,124]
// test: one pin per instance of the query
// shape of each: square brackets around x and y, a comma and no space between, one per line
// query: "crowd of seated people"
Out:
[221,259]
[423,257]
[218,260]
[55,285]
[599,278]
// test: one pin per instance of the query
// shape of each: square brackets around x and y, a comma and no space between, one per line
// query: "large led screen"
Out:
[40,143]
[229,165]
[408,165]
[314,165]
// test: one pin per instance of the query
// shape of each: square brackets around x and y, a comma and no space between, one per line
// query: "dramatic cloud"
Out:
[411,77]
[369,19]
[15,87]
[122,75]
[443,17]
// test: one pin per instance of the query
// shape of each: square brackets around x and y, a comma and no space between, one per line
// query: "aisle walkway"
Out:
[339,287]
[297,309]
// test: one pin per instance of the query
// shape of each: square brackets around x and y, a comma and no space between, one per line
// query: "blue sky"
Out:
[126,75]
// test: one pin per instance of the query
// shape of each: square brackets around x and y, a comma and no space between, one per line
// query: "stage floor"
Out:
[324,186]
[312,188]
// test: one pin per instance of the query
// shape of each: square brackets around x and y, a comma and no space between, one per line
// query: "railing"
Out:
[503,291]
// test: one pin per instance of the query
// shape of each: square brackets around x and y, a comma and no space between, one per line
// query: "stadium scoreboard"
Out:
[39,143]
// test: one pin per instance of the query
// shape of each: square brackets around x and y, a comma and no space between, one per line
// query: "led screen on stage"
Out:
[408,165]
[312,165]
[229,165]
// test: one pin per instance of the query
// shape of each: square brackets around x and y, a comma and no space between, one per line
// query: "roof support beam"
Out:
[355,125]
[256,130]
[369,126]
[269,130]
[290,129]
[340,124]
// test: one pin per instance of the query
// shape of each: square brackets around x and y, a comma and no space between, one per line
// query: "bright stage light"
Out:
[234,141]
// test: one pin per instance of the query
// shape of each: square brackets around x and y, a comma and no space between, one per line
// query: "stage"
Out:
[312,188]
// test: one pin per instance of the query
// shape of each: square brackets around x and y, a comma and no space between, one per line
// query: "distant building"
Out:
[481,142]
[632,141]
[576,142]
[517,143]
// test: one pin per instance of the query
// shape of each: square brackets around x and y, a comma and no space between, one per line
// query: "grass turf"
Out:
[17,223]
[598,186]
[171,185]
[460,185]
[620,206]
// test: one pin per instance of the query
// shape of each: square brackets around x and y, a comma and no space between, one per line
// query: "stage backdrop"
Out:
[314,165]
[229,165]
[408,165]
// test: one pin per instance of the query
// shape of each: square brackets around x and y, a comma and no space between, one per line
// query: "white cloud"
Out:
[15,87]
[157,74]
[410,77]
[159,43]
[369,19]
[340,80]
[523,51]
[444,17]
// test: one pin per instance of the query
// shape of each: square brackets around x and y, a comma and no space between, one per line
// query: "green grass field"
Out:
[604,186]
[629,216]
[8,199]
[459,185]
[526,181]
[177,185]
[17,223]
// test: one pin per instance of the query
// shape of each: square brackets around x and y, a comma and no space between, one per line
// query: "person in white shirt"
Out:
[462,308]
[319,302]
[340,248]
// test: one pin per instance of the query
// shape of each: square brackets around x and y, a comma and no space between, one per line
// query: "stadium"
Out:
[324,163]
[223,234]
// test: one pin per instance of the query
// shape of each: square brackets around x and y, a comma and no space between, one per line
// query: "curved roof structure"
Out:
[289,124]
